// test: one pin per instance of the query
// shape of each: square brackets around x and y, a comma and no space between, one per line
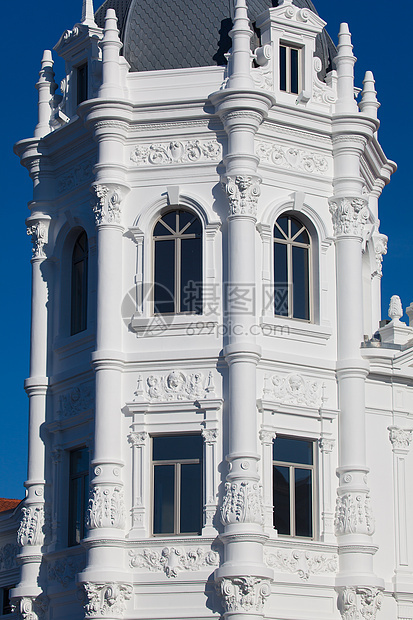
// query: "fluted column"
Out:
[243,580]
[359,589]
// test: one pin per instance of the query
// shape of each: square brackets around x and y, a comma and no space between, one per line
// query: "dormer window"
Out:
[290,69]
[82,83]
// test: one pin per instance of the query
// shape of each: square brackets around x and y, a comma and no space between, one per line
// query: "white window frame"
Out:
[300,77]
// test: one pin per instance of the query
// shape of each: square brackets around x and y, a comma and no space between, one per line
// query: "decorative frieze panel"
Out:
[8,556]
[293,389]
[107,204]
[106,508]
[31,526]
[177,385]
[243,193]
[173,560]
[301,563]
[76,176]
[106,600]
[176,152]
[64,570]
[80,398]
[244,593]
[350,215]
[354,514]
[358,603]
[292,158]
[242,503]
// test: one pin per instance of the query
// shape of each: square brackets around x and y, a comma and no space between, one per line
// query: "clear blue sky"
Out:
[382,44]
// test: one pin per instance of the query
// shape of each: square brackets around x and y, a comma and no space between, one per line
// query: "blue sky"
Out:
[382,43]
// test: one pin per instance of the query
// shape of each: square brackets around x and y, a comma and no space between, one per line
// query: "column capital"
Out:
[106,203]
[350,215]
[243,594]
[400,439]
[243,193]
[38,229]
[359,602]
[106,600]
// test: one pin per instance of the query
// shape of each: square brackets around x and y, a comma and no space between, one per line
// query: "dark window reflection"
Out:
[79,285]
[78,494]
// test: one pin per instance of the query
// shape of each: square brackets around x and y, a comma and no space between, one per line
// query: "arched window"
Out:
[292,249]
[78,307]
[177,240]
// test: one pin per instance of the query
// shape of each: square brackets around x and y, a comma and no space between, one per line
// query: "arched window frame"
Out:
[290,241]
[79,284]
[177,234]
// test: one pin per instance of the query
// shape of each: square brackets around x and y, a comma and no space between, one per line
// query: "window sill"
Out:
[294,329]
[172,325]
[68,345]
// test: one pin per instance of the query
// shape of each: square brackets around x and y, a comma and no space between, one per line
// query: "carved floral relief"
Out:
[293,389]
[354,514]
[106,508]
[358,603]
[176,152]
[242,503]
[8,556]
[243,193]
[78,399]
[106,599]
[64,570]
[173,560]
[302,563]
[350,215]
[30,531]
[177,385]
[292,158]
[244,593]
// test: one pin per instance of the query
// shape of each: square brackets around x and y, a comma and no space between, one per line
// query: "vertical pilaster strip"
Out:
[137,439]
[326,447]
[210,436]
[267,437]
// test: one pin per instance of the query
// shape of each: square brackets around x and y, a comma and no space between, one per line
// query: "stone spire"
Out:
[88,15]
[240,62]
[345,61]
[369,104]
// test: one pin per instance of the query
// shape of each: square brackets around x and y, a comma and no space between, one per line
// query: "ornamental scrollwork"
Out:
[30,608]
[176,152]
[242,503]
[177,385]
[137,438]
[349,215]
[30,531]
[292,158]
[106,599]
[380,249]
[106,508]
[79,174]
[243,193]
[302,563]
[358,603]
[243,593]
[107,204]
[294,389]
[64,570]
[38,233]
[354,514]
[210,435]
[173,560]
[79,399]
[400,438]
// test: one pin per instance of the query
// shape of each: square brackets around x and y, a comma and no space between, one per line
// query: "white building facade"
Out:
[219,424]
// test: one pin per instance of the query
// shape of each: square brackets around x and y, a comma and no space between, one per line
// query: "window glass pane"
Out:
[283,68]
[81,83]
[303,503]
[282,223]
[294,70]
[191,499]
[281,487]
[75,511]
[184,218]
[179,447]
[301,305]
[296,225]
[280,279]
[161,230]
[78,310]
[79,461]
[164,291]
[290,450]
[6,609]
[195,228]
[191,275]
[164,492]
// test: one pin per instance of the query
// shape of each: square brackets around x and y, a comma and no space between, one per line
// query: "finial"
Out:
[241,57]
[111,46]
[395,309]
[46,87]
[345,61]
[88,15]
[369,104]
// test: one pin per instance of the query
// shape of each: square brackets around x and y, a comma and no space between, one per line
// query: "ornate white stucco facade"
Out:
[243,154]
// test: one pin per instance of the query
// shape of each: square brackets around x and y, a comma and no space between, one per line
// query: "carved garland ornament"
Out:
[292,158]
[38,234]
[293,389]
[176,152]
[350,215]
[106,599]
[242,503]
[173,560]
[176,385]
[302,563]
[243,193]
[106,205]
[31,526]
[244,593]
[106,508]
[358,603]
[354,514]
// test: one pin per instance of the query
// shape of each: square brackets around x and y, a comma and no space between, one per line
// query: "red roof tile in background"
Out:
[8,504]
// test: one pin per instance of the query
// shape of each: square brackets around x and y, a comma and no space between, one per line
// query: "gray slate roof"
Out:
[173,34]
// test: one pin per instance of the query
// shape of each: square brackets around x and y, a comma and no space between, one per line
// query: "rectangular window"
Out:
[293,486]
[177,484]
[78,494]
[82,80]
[290,69]
[5,602]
